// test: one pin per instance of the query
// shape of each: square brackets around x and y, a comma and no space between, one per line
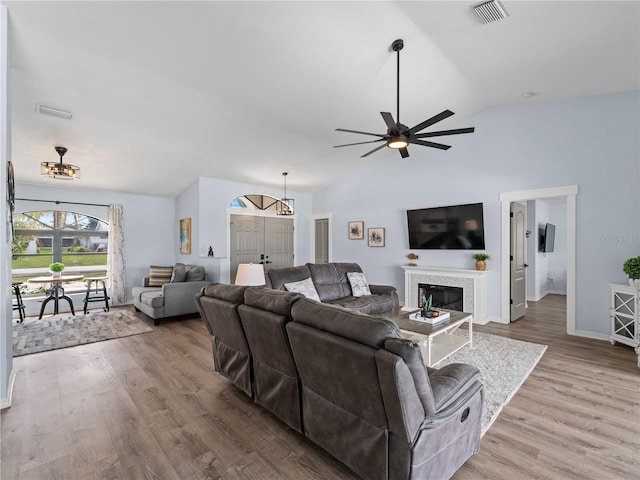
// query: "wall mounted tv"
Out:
[548,239]
[456,227]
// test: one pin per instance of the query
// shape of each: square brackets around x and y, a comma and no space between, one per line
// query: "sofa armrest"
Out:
[387,290]
[180,298]
[382,289]
[448,382]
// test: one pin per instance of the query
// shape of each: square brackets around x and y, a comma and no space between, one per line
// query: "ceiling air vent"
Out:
[54,112]
[490,11]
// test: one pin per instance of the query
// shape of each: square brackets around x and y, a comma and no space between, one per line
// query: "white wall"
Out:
[591,142]
[541,282]
[215,196]
[6,340]
[557,260]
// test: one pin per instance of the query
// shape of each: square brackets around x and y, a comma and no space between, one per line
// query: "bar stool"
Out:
[18,305]
[98,294]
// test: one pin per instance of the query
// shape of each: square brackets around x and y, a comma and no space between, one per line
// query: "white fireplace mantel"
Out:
[472,282]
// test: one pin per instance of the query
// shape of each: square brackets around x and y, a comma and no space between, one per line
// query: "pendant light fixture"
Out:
[60,170]
[285,205]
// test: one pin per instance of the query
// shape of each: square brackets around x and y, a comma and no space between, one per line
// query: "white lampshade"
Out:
[250,274]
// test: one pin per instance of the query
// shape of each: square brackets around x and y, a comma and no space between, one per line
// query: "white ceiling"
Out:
[164,92]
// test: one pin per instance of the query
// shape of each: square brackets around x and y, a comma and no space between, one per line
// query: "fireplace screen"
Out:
[443,296]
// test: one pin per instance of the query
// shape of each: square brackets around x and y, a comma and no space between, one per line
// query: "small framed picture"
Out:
[376,237]
[356,230]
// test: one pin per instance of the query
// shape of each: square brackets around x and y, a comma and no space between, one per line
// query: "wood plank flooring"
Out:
[150,407]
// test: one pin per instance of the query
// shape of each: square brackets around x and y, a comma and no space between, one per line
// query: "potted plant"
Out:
[632,268]
[56,268]
[427,303]
[481,258]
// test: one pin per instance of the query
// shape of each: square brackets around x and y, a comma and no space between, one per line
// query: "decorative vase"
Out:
[634,282]
[56,274]
[481,265]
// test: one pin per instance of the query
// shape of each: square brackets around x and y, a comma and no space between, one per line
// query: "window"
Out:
[42,237]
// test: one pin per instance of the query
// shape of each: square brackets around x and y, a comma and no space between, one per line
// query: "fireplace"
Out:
[472,283]
[443,296]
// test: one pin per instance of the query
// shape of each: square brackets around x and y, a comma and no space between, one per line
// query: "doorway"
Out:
[260,239]
[568,193]
[321,247]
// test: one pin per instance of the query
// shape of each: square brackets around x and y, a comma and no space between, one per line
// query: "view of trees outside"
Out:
[46,236]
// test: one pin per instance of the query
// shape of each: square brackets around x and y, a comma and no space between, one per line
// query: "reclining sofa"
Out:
[346,381]
[332,284]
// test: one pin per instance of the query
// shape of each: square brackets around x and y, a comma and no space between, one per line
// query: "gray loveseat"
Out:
[176,297]
[347,381]
[332,285]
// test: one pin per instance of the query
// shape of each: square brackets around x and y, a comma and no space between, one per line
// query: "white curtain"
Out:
[117,284]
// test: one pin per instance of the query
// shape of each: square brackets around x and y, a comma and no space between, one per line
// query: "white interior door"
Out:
[278,242]
[518,257]
[266,240]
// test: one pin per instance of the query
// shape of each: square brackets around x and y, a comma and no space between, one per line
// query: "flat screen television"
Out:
[456,227]
[549,239]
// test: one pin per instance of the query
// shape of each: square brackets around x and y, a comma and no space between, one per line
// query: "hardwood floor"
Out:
[150,406]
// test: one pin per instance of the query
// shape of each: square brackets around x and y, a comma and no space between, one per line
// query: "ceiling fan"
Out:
[399,136]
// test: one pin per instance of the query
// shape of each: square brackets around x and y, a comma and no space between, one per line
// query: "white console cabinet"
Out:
[625,316]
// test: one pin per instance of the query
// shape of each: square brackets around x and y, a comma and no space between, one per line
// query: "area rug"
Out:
[504,364]
[62,331]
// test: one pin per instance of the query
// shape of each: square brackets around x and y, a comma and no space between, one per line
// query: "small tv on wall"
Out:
[455,227]
[549,238]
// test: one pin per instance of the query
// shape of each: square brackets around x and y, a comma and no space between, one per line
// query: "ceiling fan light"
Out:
[399,141]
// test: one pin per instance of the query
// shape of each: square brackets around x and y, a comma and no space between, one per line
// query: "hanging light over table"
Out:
[60,170]
[286,205]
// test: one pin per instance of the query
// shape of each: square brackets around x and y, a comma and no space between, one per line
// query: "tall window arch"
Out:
[45,236]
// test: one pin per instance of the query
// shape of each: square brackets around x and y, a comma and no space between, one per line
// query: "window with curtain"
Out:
[45,236]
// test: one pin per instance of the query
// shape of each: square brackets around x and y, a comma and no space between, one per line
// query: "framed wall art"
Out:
[356,230]
[376,237]
[185,236]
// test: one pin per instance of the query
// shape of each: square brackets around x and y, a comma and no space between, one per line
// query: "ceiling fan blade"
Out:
[442,133]
[429,144]
[404,153]
[388,119]
[359,143]
[435,119]
[362,133]
[374,150]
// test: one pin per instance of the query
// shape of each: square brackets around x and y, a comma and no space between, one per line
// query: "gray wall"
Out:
[592,142]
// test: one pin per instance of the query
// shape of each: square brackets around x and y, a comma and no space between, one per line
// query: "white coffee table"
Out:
[437,341]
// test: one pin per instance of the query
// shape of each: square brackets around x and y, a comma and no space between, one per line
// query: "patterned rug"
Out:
[504,364]
[62,331]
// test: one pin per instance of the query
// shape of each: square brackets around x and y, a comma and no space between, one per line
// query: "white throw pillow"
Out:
[359,285]
[305,287]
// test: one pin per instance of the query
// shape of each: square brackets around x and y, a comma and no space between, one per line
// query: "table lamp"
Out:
[250,274]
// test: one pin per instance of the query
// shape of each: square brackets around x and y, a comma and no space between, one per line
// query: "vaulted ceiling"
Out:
[164,92]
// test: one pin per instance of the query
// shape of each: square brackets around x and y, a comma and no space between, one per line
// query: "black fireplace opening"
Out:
[443,296]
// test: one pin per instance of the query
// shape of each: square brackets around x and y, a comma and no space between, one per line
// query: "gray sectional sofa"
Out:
[332,285]
[345,380]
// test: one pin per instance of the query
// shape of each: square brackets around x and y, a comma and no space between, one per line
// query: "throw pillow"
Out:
[359,285]
[195,273]
[158,276]
[305,287]
[179,273]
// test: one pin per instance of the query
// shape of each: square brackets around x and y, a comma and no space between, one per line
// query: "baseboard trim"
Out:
[6,402]
[593,335]
[542,295]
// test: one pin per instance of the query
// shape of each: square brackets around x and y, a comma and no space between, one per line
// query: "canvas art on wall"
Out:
[356,230]
[185,236]
[376,237]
